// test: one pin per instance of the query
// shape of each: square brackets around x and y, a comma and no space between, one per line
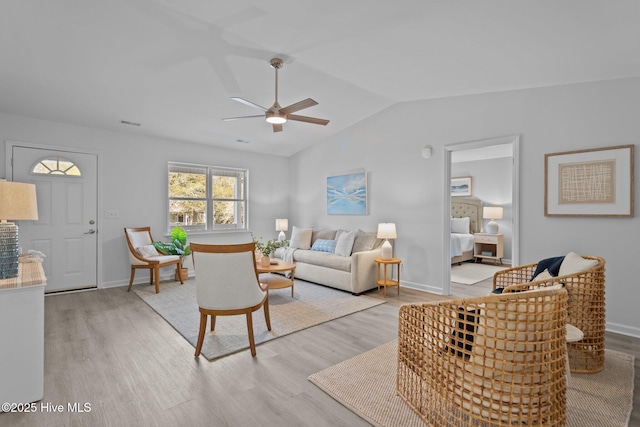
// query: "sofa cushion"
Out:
[323,234]
[364,241]
[323,259]
[323,245]
[344,244]
[300,238]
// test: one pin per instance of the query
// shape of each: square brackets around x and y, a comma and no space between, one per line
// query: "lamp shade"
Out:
[18,201]
[282,224]
[387,230]
[492,212]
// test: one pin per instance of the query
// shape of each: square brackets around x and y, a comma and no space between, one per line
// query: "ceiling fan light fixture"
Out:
[276,118]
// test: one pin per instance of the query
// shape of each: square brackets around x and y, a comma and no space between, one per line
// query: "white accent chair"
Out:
[227,284]
[142,254]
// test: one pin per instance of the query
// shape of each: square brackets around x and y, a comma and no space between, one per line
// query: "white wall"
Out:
[406,189]
[134,182]
[491,183]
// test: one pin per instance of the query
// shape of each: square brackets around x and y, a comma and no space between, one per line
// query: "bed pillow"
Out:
[344,244]
[574,263]
[323,245]
[300,238]
[147,251]
[460,225]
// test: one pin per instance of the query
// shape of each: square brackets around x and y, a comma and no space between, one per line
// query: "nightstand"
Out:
[489,246]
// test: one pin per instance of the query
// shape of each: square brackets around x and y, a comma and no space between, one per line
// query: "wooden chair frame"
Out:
[153,266]
[247,311]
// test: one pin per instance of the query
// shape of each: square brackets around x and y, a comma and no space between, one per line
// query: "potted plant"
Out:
[266,249]
[177,246]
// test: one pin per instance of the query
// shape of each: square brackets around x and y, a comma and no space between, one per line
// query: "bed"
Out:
[461,242]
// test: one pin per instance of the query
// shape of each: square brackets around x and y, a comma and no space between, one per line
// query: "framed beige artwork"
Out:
[597,182]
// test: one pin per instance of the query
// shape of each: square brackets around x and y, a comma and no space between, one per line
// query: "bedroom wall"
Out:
[491,183]
[134,182]
[407,189]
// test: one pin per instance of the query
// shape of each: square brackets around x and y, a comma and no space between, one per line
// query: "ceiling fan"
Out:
[277,115]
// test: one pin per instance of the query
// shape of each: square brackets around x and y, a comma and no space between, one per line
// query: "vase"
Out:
[265,261]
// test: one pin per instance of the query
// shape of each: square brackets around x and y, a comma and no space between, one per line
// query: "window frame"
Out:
[209,199]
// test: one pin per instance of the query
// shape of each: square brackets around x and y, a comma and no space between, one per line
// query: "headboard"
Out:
[461,208]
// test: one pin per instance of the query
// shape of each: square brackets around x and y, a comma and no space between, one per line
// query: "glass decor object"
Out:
[17,202]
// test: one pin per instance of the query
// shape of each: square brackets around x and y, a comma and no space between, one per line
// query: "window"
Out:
[56,166]
[205,198]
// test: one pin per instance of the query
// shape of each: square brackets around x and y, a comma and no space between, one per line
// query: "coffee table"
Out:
[274,281]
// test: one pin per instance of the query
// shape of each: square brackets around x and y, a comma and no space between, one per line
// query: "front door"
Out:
[66,187]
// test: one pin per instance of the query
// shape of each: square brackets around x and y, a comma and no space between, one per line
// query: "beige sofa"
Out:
[349,267]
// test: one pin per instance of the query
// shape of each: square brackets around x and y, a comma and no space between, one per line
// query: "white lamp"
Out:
[492,213]
[17,202]
[387,230]
[282,225]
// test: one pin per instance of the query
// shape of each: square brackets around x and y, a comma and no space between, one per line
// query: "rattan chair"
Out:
[586,308]
[497,360]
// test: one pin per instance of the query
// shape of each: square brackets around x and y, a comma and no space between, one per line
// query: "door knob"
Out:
[92,231]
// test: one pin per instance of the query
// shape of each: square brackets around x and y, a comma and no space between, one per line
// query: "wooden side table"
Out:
[385,280]
[277,282]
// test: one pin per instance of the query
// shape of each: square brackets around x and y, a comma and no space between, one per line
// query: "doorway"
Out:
[66,231]
[470,150]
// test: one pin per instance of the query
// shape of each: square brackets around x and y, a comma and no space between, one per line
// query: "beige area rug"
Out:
[469,273]
[366,385]
[312,304]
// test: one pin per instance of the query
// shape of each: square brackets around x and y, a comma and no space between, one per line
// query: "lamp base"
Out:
[492,227]
[386,251]
[9,250]
[282,236]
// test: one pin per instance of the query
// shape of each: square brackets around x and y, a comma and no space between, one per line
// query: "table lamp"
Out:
[17,202]
[492,213]
[282,225]
[387,230]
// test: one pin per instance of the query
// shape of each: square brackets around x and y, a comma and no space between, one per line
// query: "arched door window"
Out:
[56,166]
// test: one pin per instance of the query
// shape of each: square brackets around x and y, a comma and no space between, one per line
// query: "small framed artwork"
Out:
[597,182]
[347,194]
[461,186]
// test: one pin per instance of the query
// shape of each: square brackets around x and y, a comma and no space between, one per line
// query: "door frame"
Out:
[9,168]
[514,140]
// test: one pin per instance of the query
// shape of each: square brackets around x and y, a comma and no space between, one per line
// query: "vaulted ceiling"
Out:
[172,65]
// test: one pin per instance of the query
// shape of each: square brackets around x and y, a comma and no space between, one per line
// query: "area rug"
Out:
[366,385]
[469,273]
[312,304]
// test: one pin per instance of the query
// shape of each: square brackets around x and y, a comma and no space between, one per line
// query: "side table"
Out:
[385,279]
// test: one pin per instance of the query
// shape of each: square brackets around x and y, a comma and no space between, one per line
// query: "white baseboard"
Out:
[421,287]
[623,329]
[142,279]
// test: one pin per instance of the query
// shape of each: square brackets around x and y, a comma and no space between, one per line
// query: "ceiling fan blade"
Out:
[277,127]
[249,103]
[306,119]
[228,119]
[298,106]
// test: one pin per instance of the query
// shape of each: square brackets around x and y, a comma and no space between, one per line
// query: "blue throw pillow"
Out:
[322,245]
[551,264]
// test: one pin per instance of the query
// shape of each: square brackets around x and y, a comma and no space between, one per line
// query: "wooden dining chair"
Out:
[227,284]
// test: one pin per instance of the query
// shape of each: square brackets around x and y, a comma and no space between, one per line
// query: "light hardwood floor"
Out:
[109,349]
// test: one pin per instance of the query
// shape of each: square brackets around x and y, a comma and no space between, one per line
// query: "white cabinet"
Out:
[22,336]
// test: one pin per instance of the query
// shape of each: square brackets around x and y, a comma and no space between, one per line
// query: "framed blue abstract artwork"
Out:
[347,194]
